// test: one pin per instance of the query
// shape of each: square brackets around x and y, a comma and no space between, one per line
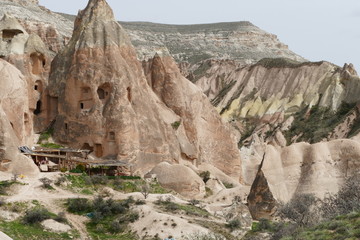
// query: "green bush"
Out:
[51,145]
[4,186]
[78,205]
[176,125]
[46,183]
[99,179]
[36,215]
[115,227]
[228,185]
[233,224]
[205,176]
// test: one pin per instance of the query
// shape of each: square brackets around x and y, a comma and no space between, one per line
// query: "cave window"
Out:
[12,125]
[38,86]
[37,63]
[129,94]
[9,34]
[101,93]
[26,118]
[81,105]
[111,136]
[66,126]
[37,111]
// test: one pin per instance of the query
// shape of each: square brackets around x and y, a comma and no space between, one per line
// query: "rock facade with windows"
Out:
[107,105]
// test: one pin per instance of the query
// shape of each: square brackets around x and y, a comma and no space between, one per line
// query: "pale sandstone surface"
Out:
[15,121]
[30,55]
[164,224]
[180,179]
[54,226]
[3,236]
[207,139]
[318,169]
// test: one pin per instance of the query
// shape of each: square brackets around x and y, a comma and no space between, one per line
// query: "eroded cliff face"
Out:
[276,86]
[107,105]
[15,121]
[277,103]
[30,55]
[53,29]
[204,130]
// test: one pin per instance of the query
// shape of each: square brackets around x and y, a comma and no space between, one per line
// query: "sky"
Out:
[315,29]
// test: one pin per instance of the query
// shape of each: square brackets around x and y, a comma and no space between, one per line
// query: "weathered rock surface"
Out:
[180,179]
[318,169]
[52,28]
[271,87]
[54,226]
[3,236]
[261,201]
[188,44]
[30,55]
[15,121]
[203,129]
[106,104]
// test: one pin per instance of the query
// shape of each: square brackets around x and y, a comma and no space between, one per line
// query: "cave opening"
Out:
[37,111]
[129,95]
[9,34]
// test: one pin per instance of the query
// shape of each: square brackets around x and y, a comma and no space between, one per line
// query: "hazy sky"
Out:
[315,29]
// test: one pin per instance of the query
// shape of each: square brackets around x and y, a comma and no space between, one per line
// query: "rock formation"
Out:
[172,177]
[275,86]
[30,55]
[52,28]
[190,45]
[106,104]
[15,121]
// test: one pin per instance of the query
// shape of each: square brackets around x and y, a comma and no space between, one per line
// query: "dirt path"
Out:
[31,190]
[75,220]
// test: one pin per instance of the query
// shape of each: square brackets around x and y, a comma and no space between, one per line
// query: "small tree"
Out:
[300,209]
[345,201]
[145,190]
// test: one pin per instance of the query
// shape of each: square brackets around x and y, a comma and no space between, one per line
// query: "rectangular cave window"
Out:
[36,87]
[81,105]
[111,136]
[66,126]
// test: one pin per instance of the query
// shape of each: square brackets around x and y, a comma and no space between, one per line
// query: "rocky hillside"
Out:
[188,44]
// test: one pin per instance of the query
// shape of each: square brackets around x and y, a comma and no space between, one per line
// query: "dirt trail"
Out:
[32,190]
[76,221]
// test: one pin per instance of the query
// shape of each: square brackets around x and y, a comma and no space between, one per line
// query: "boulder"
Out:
[54,226]
[180,179]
